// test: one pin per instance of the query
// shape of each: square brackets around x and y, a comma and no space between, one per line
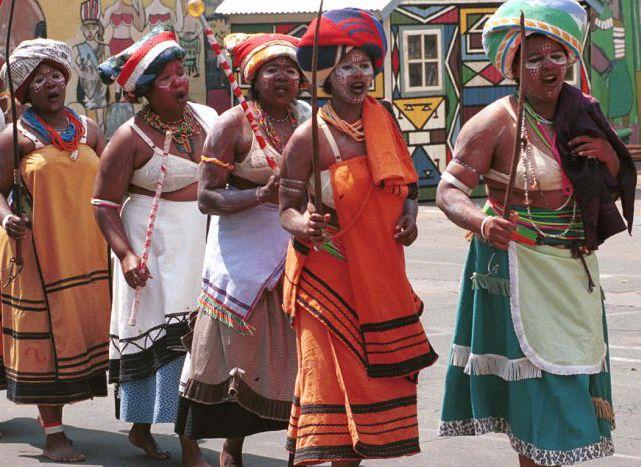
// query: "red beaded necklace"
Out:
[263,120]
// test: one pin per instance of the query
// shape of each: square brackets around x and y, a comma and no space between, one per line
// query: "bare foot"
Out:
[141,437]
[192,457]
[59,449]
[231,455]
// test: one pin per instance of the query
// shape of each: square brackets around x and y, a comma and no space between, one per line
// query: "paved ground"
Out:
[435,266]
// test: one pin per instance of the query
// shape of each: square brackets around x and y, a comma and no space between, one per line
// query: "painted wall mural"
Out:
[437,78]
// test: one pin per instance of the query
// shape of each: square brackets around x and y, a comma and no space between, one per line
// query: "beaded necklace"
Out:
[66,140]
[264,119]
[355,130]
[182,130]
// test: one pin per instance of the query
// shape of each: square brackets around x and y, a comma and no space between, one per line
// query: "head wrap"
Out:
[136,68]
[251,51]
[341,31]
[28,56]
[564,21]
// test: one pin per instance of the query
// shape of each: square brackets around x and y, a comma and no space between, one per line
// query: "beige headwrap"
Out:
[26,58]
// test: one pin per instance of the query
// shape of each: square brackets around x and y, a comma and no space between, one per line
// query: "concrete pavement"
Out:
[434,264]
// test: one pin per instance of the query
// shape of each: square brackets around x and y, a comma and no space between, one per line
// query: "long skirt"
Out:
[238,385]
[551,419]
[143,358]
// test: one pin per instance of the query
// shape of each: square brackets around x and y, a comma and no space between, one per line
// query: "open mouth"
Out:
[550,80]
[358,88]
[53,97]
[181,95]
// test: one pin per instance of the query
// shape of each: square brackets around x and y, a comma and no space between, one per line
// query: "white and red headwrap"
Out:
[251,51]
[129,67]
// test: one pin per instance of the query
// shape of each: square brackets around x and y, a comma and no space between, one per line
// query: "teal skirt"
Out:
[491,386]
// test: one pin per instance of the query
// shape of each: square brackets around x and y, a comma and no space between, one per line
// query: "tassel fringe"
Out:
[604,410]
[490,364]
[494,285]
[217,310]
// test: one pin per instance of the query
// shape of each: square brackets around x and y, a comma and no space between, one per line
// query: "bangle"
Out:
[258,196]
[5,219]
[487,218]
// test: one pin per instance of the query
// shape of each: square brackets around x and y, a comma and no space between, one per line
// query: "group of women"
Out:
[264,302]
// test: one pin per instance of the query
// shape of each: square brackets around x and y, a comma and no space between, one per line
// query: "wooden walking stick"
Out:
[196,8]
[17,261]
[316,170]
[152,221]
[520,140]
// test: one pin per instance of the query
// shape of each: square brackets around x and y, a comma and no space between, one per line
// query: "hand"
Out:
[269,192]
[135,275]
[498,231]
[406,230]
[316,230]
[16,227]
[594,148]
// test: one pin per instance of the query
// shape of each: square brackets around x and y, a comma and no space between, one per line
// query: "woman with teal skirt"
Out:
[530,352]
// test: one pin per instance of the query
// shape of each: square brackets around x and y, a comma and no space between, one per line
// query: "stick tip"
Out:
[195,8]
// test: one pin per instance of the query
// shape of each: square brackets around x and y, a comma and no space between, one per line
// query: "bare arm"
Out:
[95,137]
[114,174]
[15,226]
[297,167]
[473,154]
[223,142]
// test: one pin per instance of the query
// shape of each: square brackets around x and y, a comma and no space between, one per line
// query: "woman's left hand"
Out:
[406,230]
[597,148]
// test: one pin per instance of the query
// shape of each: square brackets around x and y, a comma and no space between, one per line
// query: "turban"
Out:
[341,31]
[564,21]
[136,68]
[251,51]
[28,56]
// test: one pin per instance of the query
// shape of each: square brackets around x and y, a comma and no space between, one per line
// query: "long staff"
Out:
[520,140]
[17,261]
[318,191]
[152,221]
[196,8]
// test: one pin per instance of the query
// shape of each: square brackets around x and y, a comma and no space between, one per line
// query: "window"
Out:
[422,57]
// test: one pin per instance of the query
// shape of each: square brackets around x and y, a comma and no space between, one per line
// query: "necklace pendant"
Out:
[74,155]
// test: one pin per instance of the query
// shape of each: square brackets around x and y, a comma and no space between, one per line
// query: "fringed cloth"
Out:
[244,382]
[360,340]
[517,365]
[55,315]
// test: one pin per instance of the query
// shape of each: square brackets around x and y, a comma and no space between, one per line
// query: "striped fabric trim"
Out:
[75,281]
[550,222]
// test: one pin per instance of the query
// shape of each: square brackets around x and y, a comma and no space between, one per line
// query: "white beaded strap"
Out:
[456,183]
[53,429]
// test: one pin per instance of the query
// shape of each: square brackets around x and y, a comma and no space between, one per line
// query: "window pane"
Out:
[431,74]
[413,47]
[430,46]
[416,74]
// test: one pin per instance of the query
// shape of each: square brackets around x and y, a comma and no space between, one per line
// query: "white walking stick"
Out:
[150,226]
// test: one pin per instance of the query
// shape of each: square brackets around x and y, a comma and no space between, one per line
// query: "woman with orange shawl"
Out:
[360,342]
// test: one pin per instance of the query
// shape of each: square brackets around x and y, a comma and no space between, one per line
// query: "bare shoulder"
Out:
[25,145]
[486,126]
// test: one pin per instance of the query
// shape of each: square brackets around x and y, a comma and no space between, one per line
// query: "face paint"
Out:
[546,66]
[278,81]
[170,90]
[46,90]
[352,77]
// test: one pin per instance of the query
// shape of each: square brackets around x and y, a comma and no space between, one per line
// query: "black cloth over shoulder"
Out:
[596,190]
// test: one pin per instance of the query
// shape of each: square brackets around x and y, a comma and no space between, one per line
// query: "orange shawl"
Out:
[369,193]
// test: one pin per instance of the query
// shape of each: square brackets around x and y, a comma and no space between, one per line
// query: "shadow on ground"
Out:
[103,448]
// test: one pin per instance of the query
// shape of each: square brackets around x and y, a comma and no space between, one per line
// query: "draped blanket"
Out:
[55,315]
[245,256]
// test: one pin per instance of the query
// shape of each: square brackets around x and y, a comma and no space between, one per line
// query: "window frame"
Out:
[407,61]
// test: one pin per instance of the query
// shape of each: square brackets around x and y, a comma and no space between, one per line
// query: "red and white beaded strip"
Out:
[150,226]
[224,65]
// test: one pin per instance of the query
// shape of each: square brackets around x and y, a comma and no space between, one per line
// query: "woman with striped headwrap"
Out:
[530,352]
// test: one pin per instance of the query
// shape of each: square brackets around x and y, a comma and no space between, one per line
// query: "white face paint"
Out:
[352,77]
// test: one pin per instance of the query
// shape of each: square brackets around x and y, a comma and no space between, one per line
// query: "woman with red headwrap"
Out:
[243,351]
[356,317]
